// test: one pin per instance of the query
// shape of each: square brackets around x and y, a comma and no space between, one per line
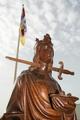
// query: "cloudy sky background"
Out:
[59,18]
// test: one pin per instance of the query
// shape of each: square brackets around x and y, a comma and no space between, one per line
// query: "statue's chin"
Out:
[46,60]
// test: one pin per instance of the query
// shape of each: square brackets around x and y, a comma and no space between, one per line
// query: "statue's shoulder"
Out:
[23,75]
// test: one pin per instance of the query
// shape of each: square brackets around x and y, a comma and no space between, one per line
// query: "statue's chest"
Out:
[46,87]
[50,86]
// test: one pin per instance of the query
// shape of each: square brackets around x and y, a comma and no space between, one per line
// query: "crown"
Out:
[46,40]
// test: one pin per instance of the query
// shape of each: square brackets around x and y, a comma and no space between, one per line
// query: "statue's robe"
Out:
[31,97]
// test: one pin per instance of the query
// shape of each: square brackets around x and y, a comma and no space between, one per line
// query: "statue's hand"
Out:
[63,103]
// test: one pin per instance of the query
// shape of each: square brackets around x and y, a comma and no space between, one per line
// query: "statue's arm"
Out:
[63,103]
[15,101]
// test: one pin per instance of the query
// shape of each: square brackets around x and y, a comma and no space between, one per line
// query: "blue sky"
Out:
[59,18]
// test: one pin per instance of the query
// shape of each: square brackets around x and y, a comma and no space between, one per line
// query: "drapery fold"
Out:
[31,96]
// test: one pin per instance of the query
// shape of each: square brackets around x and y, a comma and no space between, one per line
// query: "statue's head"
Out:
[44,50]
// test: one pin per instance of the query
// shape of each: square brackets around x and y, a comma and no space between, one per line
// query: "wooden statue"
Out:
[37,96]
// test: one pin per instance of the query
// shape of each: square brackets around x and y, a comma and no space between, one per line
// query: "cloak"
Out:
[31,98]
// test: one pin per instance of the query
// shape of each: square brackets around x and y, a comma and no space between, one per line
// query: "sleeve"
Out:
[63,103]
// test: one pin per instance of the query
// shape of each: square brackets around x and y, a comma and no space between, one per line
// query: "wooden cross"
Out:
[61,70]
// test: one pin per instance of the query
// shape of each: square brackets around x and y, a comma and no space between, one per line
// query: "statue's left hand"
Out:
[63,103]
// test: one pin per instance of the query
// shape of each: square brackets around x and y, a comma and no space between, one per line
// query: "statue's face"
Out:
[46,53]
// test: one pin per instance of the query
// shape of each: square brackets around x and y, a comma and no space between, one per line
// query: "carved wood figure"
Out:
[37,96]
